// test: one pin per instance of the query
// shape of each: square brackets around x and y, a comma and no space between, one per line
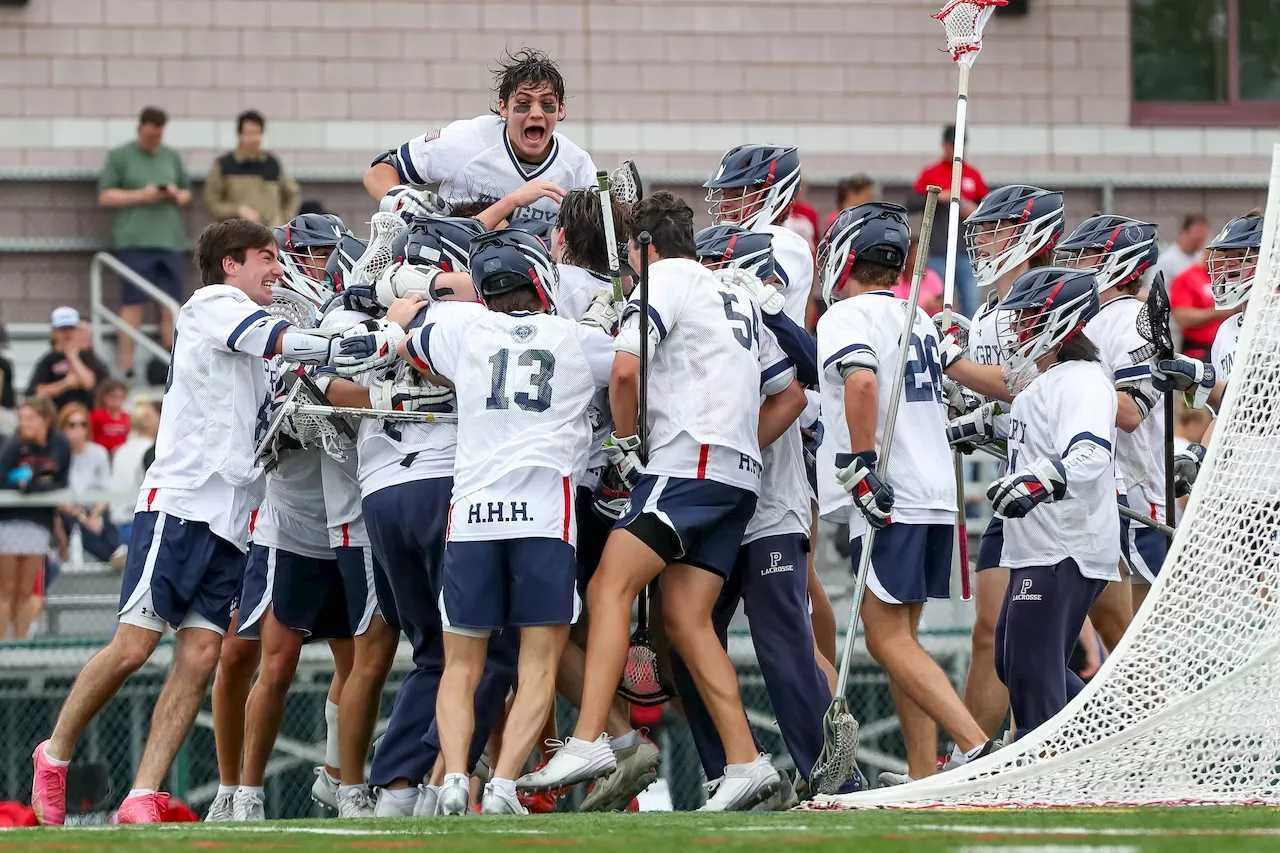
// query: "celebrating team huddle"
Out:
[531,400]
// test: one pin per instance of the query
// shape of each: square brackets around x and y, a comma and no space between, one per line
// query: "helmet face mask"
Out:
[753,186]
[1116,249]
[1045,308]
[306,243]
[1012,225]
[1231,273]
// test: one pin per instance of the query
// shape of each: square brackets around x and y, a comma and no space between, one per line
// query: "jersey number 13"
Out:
[537,396]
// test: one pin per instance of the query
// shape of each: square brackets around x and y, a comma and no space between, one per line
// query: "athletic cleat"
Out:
[454,797]
[220,810]
[782,800]
[637,768]
[48,789]
[389,806]
[144,808]
[428,797]
[742,786]
[575,761]
[248,805]
[539,802]
[357,802]
[888,779]
[325,789]
[498,801]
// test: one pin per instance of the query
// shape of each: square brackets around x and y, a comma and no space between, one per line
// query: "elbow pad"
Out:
[1143,392]
[628,340]
[391,157]
[402,279]
[777,383]
[306,347]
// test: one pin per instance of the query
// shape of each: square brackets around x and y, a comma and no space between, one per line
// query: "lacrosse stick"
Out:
[1153,325]
[307,416]
[838,760]
[383,230]
[294,307]
[625,183]
[642,683]
[605,184]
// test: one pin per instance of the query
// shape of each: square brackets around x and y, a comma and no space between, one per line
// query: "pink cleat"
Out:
[144,808]
[48,789]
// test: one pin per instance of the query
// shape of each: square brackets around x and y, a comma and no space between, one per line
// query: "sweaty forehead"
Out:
[534,91]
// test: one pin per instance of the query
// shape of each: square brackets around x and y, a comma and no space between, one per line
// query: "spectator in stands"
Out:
[250,183]
[109,420]
[851,192]
[972,189]
[930,285]
[127,467]
[1194,311]
[1184,251]
[8,396]
[67,373]
[146,183]
[90,472]
[37,458]
[804,217]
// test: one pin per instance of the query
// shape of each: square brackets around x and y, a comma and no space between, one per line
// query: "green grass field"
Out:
[1024,830]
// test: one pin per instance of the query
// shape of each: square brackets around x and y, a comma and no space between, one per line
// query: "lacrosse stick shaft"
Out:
[1170,498]
[642,420]
[610,234]
[962,530]
[1128,512]
[377,414]
[953,210]
[886,443]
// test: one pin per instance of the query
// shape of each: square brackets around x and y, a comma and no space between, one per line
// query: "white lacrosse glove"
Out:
[856,473]
[402,279]
[1189,375]
[407,203]
[624,454]
[766,296]
[959,399]
[602,314]
[1042,481]
[968,431]
[401,395]
[368,345]
[953,341]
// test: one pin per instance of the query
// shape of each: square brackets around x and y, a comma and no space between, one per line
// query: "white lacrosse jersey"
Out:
[793,262]
[1127,356]
[343,512]
[292,516]
[215,410]
[984,343]
[472,160]
[1068,413]
[919,469]
[524,382]
[578,287]
[713,360]
[785,503]
[1225,343]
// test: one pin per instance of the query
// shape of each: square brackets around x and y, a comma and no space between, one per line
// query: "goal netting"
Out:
[1187,709]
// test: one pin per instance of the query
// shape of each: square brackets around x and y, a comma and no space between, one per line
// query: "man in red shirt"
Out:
[972,189]
[1194,311]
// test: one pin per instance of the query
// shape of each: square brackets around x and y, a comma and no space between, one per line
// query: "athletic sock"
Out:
[328,777]
[332,755]
[958,757]
[507,785]
[253,789]
[139,792]
[461,777]
[624,741]
[223,790]
[54,761]
[401,793]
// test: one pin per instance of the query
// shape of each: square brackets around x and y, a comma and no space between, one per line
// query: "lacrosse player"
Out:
[913,507]
[1061,531]
[189,536]
[1118,250]
[690,503]
[524,381]
[1233,264]
[492,157]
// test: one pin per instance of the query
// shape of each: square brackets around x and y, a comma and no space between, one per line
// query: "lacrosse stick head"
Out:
[963,21]
[383,230]
[838,761]
[294,307]
[959,327]
[642,683]
[1153,319]
[625,183]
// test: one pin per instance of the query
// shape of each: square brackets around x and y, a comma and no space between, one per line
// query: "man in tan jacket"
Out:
[250,183]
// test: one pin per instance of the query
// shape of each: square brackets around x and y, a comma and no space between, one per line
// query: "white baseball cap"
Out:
[65,318]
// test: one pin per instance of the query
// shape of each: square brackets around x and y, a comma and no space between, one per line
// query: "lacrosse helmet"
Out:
[877,231]
[1233,260]
[442,243]
[734,247]
[540,228]
[1012,224]
[303,242]
[768,177]
[337,270]
[1045,308]
[1116,249]
[502,261]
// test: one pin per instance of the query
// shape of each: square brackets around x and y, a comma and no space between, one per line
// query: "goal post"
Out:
[1185,709]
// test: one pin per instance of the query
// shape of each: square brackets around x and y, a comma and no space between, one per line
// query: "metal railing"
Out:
[99,313]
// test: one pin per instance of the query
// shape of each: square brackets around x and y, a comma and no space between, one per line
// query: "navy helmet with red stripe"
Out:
[1116,249]
[734,247]
[1044,309]
[754,185]
[1012,225]
[877,232]
[502,261]
[443,242]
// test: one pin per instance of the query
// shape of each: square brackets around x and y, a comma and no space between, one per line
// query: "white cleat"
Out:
[357,802]
[743,785]
[889,779]
[248,806]
[389,806]
[454,797]
[325,789]
[428,797]
[637,768]
[575,761]
[220,809]
[498,801]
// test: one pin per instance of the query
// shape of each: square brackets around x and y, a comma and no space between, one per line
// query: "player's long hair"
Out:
[583,227]
[1078,348]
[526,67]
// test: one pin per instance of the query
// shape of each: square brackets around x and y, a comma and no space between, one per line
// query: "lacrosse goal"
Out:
[1185,710]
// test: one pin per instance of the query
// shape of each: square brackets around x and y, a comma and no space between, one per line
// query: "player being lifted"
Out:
[691,502]
[1118,250]
[1061,530]
[524,380]
[513,159]
[190,531]
[860,258]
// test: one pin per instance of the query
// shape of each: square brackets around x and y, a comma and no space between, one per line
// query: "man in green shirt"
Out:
[146,183]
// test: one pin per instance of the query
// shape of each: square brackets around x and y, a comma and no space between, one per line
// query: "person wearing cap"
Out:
[68,372]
